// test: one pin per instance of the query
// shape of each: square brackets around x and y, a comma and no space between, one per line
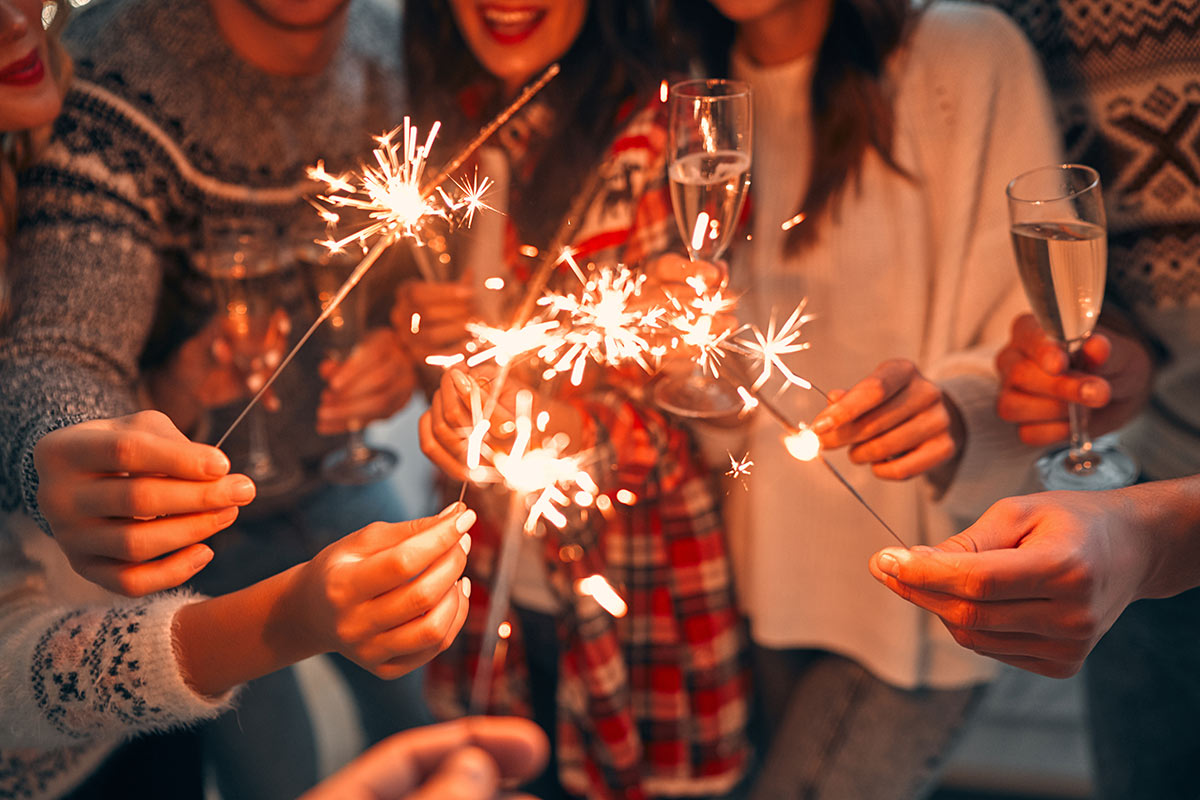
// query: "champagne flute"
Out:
[1060,237]
[356,463]
[242,260]
[708,150]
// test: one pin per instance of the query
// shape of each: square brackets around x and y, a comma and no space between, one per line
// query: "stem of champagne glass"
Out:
[1080,457]
[356,445]
[259,457]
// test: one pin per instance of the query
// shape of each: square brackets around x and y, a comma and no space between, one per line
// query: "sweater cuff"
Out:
[995,463]
[27,472]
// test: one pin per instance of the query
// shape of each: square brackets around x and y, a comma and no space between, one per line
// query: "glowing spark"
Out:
[749,401]
[803,445]
[693,322]
[663,88]
[504,630]
[699,231]
[414,324]
[788,224]
[509,343]
[445,361]
[600,590]
[528,250]
[472,196]
[626,497]
[495,284]
[739,469]
[770,347]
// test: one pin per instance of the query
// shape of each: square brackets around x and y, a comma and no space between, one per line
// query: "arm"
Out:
[1039,579]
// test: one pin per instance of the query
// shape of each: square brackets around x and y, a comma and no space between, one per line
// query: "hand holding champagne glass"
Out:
[1060,239]
[709,151]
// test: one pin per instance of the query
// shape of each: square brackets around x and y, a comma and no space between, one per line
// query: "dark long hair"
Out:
[851,107]
[611,65]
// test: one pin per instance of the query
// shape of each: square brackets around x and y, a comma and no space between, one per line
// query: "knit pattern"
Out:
[165,128]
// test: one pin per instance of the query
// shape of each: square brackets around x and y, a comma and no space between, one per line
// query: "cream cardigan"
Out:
[918,268]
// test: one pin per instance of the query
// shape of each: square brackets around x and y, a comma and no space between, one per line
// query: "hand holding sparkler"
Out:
[433,316]
[896,420]
[374,382]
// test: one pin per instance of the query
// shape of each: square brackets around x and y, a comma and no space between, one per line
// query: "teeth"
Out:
[502,16]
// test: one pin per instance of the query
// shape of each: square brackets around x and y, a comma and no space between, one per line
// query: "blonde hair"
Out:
[18,149]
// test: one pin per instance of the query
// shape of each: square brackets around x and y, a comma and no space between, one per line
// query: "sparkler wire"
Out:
[386,241]
[510,546]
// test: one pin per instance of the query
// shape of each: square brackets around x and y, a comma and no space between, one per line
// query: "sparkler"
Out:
[390,194]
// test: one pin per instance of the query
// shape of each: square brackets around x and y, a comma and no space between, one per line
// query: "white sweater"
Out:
[917,268]
[81,669]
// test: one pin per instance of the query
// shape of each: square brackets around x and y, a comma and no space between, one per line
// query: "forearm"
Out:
[225,641]
[1165,515]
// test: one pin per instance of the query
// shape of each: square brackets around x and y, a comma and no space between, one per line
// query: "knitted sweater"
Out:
[916,267]
[1124,82]
[82,669]
[165,126]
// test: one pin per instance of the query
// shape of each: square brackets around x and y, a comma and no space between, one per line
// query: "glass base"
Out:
[358,466]
[1107,467]
[697,396]
[272,479]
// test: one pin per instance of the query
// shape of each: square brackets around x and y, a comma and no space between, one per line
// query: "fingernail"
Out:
[464,523]
[465,544]
[822,425]
[448,510]
[466,586]
[225,517]
[216,464]
[460,380]
[202,558]
[242,491]
[923,548]
[888,564]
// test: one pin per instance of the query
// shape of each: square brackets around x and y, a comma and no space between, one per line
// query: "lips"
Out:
[25,71]
[511,24]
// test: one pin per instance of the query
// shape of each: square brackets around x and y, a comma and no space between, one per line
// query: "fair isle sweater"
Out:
[82,669]
[164,126]
[1124,80]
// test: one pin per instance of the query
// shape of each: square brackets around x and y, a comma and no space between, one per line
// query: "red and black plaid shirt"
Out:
[656,703]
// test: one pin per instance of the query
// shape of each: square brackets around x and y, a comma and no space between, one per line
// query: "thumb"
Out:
[466,774]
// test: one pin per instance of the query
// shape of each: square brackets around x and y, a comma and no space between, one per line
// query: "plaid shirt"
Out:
[655,703]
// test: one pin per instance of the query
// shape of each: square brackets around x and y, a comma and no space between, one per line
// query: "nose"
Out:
[14,23]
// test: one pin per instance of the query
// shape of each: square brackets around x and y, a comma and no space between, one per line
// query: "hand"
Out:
[130,499]
[1037,383]
[387,597]
[201,375]
[444,310]
[1034,583]
[460,760]
[374,382]
[895,420]
[446,426]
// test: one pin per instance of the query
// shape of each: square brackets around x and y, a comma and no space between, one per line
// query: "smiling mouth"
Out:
[509,25]
[25,71]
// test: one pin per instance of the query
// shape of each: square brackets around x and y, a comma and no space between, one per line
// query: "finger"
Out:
[907,433]
[379,346]
[1013,405]
[97,450]
[160,497]
[1097,349]
[467,774]
[380,536]
[1039,434]
[451,422]
[137,580]
[427,293]
[1018,643]
[1034,344]
[1002,616]
[374,380]
[927,455]
[993,575]
[1073,387]
[339,416]
[133,540]
[887,380]
[406,560]
[421,634]
[410,600]
[1040,666]
[435,452]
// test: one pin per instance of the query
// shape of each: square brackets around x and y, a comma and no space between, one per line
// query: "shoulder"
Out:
[118,38]
[373,31]
[968,40]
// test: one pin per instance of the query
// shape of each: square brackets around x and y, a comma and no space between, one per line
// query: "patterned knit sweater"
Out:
[82,669]
[166,126]
[1126,82]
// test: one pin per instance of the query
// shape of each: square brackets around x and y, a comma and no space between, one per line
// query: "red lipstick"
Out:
[511,24]
[26,71]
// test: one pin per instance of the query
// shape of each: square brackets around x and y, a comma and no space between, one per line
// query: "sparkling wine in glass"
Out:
[1060,239]
[357,462]
[708,149]
[242,259]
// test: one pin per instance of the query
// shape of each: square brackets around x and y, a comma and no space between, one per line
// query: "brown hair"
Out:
[851,105]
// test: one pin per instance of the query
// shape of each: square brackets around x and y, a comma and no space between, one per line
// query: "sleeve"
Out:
[989,88]
[78,673]
[86,279]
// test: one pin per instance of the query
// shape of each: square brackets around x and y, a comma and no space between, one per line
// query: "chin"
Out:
[745,10]
[25,113]
[298,14]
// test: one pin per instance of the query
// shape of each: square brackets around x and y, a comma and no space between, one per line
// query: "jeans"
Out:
[836,732]
[1143,694]
[266,748]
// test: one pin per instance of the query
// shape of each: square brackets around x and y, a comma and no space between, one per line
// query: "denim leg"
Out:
[843,734]
[1143,694]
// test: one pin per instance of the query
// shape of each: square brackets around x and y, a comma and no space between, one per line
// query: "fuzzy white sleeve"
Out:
[73,674]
